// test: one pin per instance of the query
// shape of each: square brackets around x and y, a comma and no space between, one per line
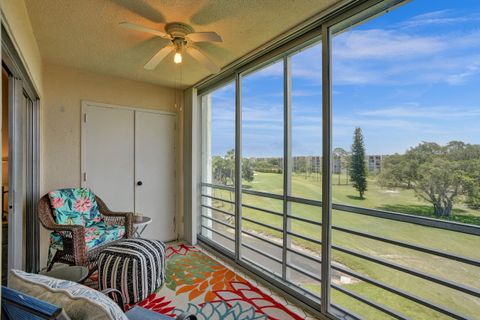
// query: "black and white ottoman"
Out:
[136,267]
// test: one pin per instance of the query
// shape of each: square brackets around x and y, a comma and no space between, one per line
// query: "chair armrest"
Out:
[65,227]
[120,218]
[116,214]
[74,236]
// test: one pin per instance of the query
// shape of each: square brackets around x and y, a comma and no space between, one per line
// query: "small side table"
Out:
[139,226]
[71,273]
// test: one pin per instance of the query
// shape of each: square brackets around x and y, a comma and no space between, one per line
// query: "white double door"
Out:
[128,159]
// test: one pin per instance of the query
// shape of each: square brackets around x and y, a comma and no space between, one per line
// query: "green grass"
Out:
[400,201]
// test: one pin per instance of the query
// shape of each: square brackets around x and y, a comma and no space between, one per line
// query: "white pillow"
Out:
[78,301]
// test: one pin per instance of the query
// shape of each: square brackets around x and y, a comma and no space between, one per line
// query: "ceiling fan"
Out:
[182,39]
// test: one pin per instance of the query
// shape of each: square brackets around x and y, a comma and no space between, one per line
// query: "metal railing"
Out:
[408,270]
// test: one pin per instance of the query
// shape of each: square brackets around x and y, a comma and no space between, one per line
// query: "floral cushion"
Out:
[75,206]
[101,233]
[96,235]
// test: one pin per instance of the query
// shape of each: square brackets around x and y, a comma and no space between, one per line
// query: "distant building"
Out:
[307,164]
[374,163]
[313,164]
[337,165]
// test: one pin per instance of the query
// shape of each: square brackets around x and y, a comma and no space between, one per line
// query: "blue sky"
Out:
[408,76]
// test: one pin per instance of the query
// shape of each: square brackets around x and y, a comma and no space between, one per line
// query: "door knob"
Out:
[139,183]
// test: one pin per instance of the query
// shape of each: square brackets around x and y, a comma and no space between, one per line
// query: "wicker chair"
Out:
[74,250]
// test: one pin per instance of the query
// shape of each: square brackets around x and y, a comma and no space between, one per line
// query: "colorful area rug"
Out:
[201,285]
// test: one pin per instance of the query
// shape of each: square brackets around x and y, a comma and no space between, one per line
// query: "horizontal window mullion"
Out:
[262,239]
[218,199]
[218,221]
[263,210]
[216,246]
[257,265]
[304,220]
[297,287]
[407,218]
[347,312]
[304,272]
[218,186]
[468,290]
[263,194]
[401,293]
[275,279]
[291,233]
[262,224]
[411,246]
[266,255]
[218,233]
[310,202]
[304,255]
[218,210]
[372,304]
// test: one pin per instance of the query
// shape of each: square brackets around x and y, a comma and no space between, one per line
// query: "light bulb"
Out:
[177,58]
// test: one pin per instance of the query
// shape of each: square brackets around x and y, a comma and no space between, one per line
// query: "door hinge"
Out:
[85,117]
[84,176]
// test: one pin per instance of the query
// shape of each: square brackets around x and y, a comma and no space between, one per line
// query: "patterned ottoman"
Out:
[136,267]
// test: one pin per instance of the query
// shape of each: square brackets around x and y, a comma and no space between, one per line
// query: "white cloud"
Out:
[436,112]
[384,44]
[472,68]
[375,123]
[307,92]
[440,17]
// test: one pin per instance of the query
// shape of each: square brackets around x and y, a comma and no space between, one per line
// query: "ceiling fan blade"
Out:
[138,27]
[158,57]
[203,59]
[204,37]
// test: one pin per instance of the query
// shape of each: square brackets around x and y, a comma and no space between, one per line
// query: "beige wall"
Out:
[64,89]
[17,22]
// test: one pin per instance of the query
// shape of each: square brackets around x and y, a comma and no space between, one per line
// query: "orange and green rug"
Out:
[200,285]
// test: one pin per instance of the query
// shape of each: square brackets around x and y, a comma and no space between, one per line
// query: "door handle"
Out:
[139,183]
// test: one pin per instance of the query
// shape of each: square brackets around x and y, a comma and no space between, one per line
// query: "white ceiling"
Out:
[85,33]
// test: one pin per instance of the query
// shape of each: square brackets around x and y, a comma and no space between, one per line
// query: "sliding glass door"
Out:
[356,187]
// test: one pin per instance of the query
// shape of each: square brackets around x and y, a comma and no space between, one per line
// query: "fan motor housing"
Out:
[178,29]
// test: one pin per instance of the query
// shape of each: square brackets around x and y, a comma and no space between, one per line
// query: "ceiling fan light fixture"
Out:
[181,37]
[177,58]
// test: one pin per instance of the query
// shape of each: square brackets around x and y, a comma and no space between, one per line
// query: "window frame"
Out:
[322,31]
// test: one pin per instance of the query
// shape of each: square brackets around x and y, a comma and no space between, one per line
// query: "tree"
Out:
[247,170]
[223,169]
[396,172]
[439,182]
[358,168]
[438,174]
[340,157]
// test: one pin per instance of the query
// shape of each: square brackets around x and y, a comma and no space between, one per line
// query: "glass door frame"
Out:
[25,126]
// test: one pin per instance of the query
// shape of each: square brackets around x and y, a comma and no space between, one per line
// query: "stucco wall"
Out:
[64,89]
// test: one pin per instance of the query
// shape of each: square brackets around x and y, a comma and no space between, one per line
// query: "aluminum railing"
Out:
[417,220]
